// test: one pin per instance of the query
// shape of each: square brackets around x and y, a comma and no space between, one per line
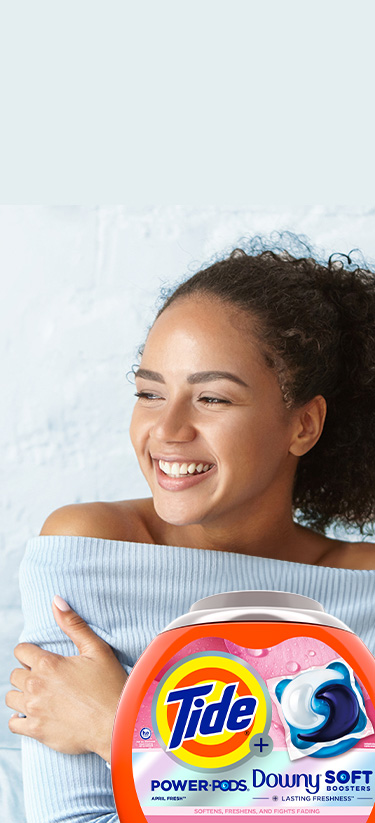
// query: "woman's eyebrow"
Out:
[197,377]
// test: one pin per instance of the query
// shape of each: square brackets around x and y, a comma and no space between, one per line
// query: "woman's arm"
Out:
[70,703]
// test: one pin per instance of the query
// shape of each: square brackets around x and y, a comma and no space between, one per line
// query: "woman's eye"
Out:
[146,395]
[208,401]
[213,400]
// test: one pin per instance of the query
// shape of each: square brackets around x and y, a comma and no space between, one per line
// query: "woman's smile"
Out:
[178,476]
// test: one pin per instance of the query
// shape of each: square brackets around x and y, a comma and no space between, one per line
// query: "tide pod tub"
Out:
[254,704]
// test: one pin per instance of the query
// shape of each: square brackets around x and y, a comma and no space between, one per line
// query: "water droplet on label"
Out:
[292,666]
[312,653]
[244,652]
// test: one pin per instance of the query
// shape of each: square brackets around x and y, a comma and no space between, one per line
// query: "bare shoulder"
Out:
[347,555]
[119,520]
[362,555]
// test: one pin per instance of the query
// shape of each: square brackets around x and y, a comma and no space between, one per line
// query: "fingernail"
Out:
[60,603]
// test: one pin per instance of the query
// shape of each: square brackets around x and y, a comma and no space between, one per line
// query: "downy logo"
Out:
[207,708]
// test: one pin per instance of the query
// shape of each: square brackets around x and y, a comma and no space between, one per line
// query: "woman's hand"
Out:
[69,702]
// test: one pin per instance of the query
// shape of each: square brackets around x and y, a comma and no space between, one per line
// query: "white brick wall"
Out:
[79,290]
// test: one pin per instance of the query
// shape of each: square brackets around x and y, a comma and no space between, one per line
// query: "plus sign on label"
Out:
[261,745]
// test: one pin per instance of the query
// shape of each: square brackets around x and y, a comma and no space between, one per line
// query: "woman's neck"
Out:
[280,539]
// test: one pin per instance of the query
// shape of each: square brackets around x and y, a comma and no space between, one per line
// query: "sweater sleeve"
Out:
[60,788]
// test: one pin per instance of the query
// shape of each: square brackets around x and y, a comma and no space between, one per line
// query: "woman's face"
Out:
[210,428]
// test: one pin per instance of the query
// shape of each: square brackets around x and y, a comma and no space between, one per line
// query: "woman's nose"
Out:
[174,423]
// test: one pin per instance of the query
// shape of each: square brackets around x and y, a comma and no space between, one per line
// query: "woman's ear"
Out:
[308,425]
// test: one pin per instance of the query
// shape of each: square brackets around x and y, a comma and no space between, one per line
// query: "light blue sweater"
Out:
[127,593]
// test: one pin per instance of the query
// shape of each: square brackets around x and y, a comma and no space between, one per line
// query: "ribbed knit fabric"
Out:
[127,593]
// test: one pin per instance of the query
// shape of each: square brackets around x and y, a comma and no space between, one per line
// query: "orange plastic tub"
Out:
[255,704]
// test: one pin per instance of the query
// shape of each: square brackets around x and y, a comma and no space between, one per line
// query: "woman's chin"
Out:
[177,515]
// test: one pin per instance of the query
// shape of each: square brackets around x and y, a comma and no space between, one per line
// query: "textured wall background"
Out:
[79,290]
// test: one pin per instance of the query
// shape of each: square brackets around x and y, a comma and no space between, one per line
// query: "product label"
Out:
[231,731]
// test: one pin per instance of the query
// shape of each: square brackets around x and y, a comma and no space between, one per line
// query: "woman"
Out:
[254,412]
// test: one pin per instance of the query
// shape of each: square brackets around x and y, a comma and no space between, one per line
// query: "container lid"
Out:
[257,605]
[256,597]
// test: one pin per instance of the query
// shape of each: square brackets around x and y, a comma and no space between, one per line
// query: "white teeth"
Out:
[178,470]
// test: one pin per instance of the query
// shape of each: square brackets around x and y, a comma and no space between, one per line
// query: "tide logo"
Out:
[206,709]
[211,718]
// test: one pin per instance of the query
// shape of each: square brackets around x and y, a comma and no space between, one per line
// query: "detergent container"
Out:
[255,704]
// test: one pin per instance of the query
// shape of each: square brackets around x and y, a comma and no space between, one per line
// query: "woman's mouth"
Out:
[183,469]
[174,476]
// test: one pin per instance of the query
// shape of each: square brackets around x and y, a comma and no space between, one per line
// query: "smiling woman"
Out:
[253,427]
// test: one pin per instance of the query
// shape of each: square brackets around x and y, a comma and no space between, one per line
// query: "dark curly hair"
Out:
[316,329]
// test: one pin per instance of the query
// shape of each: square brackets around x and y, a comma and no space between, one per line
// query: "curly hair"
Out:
[316,329]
